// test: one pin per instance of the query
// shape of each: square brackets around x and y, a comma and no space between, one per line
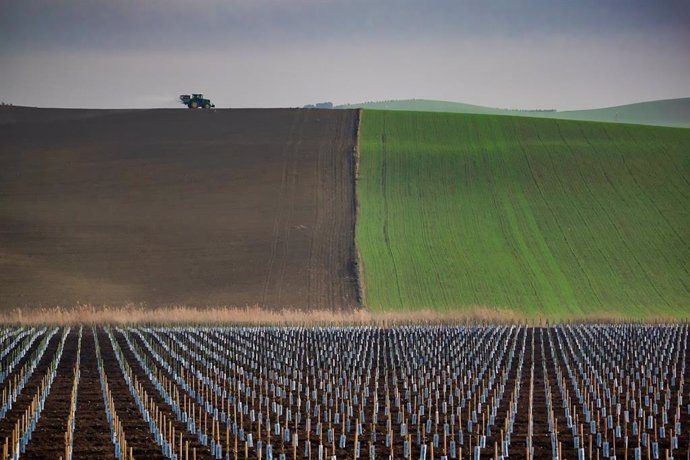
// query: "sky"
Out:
[524,54]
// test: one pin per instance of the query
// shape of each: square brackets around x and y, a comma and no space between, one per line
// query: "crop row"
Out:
[409,392]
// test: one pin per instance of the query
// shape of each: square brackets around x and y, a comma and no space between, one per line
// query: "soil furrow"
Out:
[202,452]
[48,439]
[24,399]
[136,430]
[91,431]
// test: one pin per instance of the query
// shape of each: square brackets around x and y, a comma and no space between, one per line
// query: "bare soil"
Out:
[202,452]
[137,432]
[48,440]
[177,207]
[92,433]
[91,430]
[31,388]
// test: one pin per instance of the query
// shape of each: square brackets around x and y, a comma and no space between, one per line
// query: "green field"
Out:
[668,112]
[551,218]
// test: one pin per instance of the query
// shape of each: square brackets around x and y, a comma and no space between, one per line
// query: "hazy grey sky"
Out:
[564,54]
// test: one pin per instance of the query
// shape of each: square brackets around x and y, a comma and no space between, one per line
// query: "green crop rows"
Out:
[551,218]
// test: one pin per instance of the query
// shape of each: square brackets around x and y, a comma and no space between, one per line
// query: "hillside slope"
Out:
[427,105]
[551,218]
[669,112]
[222,207]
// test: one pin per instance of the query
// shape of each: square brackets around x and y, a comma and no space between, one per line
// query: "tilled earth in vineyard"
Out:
[222,207]
[412,384]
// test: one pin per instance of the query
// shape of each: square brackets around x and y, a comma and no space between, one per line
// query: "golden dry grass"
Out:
[133,315]
[182,315]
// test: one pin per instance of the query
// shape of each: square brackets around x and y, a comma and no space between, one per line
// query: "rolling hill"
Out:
[669,112]
[177,207]
[541,217]
[551,218]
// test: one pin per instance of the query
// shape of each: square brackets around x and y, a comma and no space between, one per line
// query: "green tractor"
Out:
[196,101]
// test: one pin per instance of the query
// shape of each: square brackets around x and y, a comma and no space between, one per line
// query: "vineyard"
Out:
[404,392]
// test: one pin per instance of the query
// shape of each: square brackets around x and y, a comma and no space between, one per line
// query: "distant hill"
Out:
[668,112]
[426,105]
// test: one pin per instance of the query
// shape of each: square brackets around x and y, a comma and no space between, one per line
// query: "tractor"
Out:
[196,101]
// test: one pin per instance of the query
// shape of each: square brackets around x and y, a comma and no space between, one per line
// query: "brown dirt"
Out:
[177,207]
[91,430]
[48,440]
[202,452]
[137,432]
[92,433]
[32,385]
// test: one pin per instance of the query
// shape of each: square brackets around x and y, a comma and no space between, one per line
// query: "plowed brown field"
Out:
[163,207]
